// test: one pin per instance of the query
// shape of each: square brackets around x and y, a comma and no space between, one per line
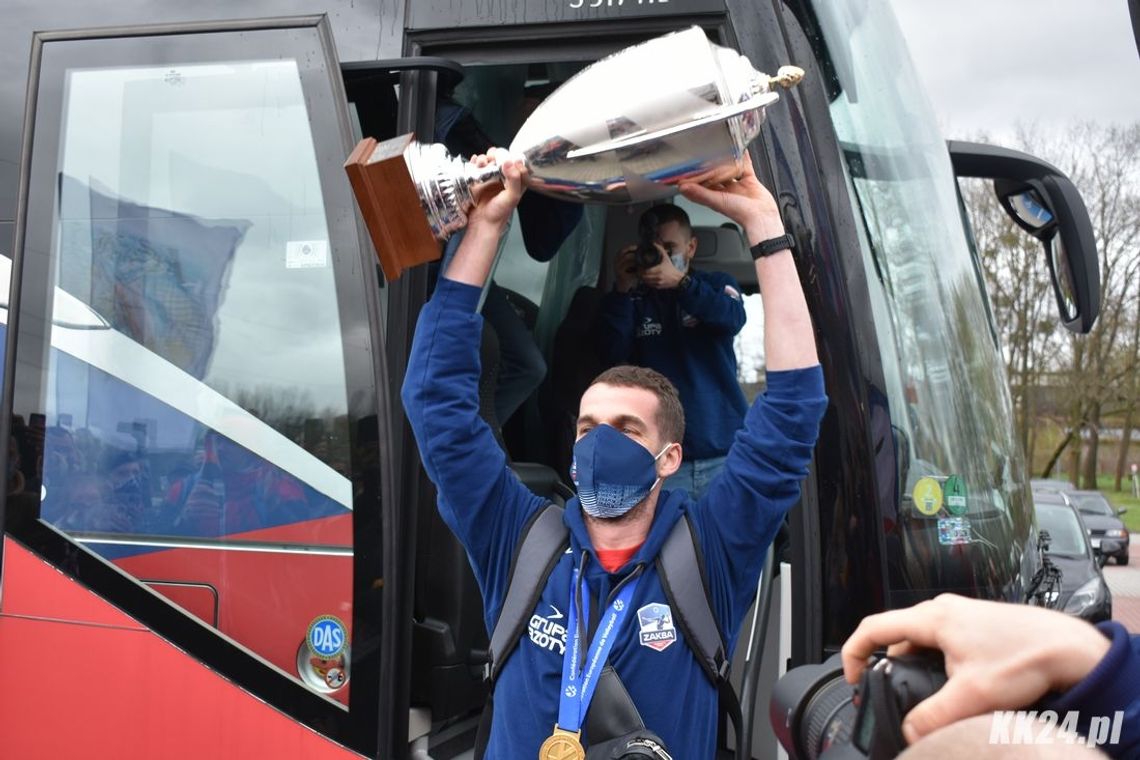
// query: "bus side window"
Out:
[206,326]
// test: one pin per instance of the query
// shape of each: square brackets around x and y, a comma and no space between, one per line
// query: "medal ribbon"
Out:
[578,684]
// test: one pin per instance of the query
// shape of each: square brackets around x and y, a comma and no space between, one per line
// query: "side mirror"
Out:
[1121,510]
[1046,204]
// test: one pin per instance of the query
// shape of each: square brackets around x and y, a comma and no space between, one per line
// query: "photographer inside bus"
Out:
[1001,656]
[629,433]
[545,224]
[668,316]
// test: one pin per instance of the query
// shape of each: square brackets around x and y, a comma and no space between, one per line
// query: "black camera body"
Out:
[647,255]
[815,713]
[642,744]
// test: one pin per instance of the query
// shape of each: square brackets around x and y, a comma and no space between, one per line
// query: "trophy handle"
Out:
[446,184]
[476,175]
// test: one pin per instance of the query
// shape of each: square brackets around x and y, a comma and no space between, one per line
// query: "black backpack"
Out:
[680,568]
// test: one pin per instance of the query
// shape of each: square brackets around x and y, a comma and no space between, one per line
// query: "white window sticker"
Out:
[306,254]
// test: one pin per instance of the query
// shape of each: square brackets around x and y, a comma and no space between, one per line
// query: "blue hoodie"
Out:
[1112,686]
[487,507]
[686,334]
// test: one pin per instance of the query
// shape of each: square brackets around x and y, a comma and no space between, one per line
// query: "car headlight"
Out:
[1086,596]
[1114,533]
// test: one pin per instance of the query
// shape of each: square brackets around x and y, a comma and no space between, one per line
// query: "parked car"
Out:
[1084,593]
[1106,530]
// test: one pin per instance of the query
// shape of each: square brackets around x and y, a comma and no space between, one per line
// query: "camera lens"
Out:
[812,709]
[648,256]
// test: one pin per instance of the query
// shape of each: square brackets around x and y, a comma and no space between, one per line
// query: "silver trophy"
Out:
[629,128]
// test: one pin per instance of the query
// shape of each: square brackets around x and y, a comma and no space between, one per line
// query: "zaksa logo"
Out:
[548,631]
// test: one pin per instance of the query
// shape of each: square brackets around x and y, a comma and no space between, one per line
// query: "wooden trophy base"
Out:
[390,205]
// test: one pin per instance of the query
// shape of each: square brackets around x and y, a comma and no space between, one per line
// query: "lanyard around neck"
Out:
[580,679]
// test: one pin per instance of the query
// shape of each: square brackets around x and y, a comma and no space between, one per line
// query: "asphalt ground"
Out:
[1124,582]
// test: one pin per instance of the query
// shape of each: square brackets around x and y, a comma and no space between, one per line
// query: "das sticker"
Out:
[327,637]
[953,531]
[927,496]
[657,629]
[954,490]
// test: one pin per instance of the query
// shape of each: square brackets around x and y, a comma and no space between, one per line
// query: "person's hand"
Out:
[663,275]
[494,201]
[744,201]
[625,269]
[999,656]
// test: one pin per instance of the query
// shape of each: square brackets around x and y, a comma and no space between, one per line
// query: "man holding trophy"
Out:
[603,613]
[628,442]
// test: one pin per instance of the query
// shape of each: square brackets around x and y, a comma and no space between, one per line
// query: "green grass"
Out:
[1124,498]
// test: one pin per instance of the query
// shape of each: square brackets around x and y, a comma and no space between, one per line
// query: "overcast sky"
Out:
[987,64]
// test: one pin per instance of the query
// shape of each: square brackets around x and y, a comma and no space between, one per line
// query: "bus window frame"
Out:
[364,725]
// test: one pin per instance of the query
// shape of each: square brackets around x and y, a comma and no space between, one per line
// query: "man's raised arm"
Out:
[742,509]
[789,342]
[479,497]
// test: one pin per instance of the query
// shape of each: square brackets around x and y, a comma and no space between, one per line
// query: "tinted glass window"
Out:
[1066,536]
[185,227]
[959,496]
[1095,505]
[192,405]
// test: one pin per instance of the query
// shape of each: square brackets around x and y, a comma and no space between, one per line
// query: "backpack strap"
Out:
[544,540]
[680,567]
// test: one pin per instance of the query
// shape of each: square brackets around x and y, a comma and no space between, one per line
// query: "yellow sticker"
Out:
[928,496]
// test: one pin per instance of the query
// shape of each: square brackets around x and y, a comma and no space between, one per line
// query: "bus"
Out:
[218,538]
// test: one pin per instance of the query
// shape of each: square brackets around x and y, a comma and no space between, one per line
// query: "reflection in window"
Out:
[944,410]
[192,220]
[195,426]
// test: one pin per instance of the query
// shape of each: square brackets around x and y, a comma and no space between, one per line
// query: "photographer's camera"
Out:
[815,713]
[647,255]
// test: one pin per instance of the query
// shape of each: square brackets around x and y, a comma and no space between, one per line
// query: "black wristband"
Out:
[773,245]
[686,281]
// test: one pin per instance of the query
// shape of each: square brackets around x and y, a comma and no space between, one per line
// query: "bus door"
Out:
[195,392]
[509,68]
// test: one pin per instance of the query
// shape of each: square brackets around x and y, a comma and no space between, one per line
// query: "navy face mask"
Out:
[612,472]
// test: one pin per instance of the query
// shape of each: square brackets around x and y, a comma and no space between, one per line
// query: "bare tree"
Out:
[1080,381]
[1020,296]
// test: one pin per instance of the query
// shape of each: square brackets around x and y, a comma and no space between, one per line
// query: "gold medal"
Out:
[562,745]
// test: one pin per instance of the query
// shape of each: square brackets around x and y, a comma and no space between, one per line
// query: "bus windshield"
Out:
[960,497]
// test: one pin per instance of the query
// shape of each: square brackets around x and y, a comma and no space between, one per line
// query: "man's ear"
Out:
[670,461]
[692,247]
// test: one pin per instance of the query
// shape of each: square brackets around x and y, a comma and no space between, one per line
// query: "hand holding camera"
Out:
[997,657]
[948,659]
[647,261]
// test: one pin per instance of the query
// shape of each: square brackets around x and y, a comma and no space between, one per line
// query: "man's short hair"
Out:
[668,212]
[670,413]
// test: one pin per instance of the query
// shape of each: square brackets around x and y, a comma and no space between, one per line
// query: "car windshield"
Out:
[1066,535]
[1093,504]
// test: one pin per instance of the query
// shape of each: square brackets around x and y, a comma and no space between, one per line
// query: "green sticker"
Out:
[954,490]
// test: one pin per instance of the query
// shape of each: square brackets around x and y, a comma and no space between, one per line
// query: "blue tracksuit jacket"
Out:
[1113,685]
[486,506]
[685,334]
